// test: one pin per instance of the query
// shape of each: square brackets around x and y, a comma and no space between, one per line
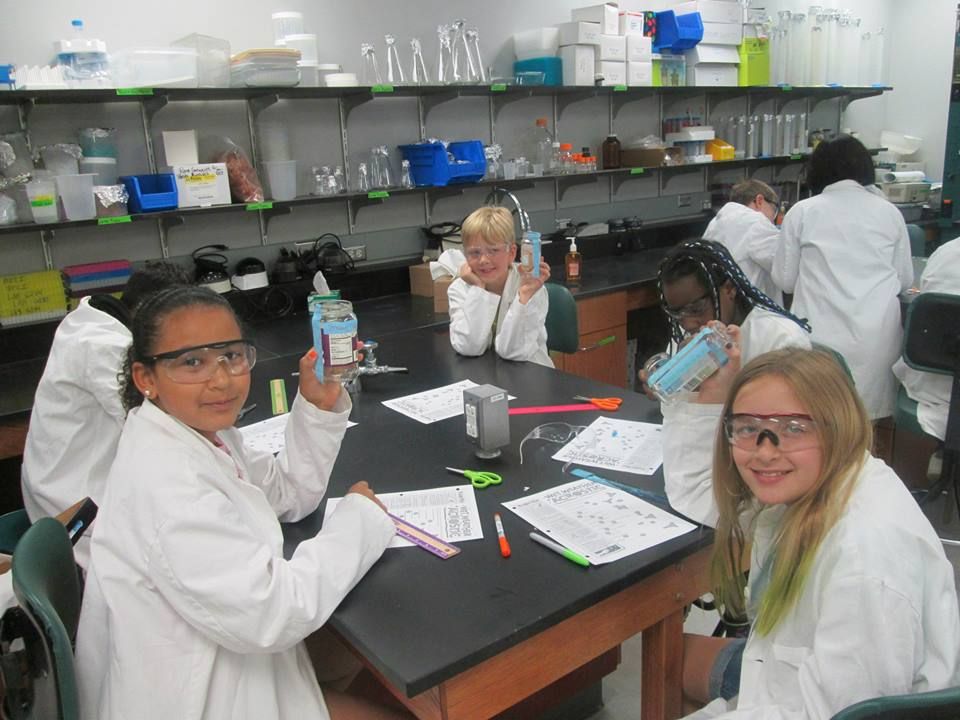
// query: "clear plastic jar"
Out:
[335,340]
[672,376]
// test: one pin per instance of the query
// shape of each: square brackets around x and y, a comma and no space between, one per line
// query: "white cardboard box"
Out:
[639,48]
[718,11]
[606,15]
[180,147]
[614,73]
[712,65]
[722,33]
[613,47]
[630,23]
[578,64]
[705,53]
[201,185]
[640,74]
[579,33]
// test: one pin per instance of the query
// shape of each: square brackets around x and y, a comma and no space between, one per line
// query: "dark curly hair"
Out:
[843,158]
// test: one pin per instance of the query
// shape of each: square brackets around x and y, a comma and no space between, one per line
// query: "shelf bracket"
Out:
[437,193]
[616,181]
[261,102]
[565,100]
[46,237]
[355,204]
[349,103]
[432,100]
[566,182]
[268,215]
[619,100]
[163,231]
[501,100]
[154,104]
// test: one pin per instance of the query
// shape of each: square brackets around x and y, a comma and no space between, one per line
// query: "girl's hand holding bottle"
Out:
[322,394]
[529,283]
[714,390]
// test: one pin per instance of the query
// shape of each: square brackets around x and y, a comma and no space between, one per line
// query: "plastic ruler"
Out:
[422,538]
[649,496]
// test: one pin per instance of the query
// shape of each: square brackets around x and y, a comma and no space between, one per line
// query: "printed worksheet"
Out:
[449,513]
[430,406]
[625,445]
[600,522]
[267,435]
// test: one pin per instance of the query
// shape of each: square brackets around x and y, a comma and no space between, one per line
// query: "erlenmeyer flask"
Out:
[370,73]
[418,71]
[363,178]
[444,58]
[394,69]
[406,180]
[461,56]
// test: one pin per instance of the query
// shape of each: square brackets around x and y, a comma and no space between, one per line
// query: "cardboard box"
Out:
[578,64]
[201,185]
[421,281]
[579,33]
[712,65]
[714,11]
[606,15]
[639,48]
[180,147]
[440,302]
[640,74]
[651,157]
[722,33]
[631,23]
[614,73]
[754,68]
[613,47]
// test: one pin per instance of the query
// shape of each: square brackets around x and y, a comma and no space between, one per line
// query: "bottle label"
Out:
[339,342]
[42,201]
[573,271]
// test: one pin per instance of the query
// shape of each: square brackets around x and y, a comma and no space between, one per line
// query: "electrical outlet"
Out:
[357,252]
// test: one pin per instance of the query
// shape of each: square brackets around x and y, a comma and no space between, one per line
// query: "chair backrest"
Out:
[918,240]
[12,526]
[563,334]
[838,356]
[47,587]
[931,338]
[935,705]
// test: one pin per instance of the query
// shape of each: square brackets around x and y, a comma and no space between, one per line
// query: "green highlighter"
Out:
[560,549]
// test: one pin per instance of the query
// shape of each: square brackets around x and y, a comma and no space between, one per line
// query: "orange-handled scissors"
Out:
[608,403]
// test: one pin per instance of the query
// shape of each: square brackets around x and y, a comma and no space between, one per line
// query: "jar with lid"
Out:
[610,152]
[335,340]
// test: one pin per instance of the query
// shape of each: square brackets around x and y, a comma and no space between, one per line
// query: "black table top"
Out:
[421,620]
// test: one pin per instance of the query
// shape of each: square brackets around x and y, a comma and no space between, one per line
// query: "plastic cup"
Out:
[274,141]
[105,168]
[281,178]
[58,161]
[76,194]
[43,200]
[286,23]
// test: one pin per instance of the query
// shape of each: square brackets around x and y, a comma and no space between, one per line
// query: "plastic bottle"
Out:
[610,152]
[538,147]
[572,263]
[566,158]
[671,377]
[556,163]
[530,252]
[84,59]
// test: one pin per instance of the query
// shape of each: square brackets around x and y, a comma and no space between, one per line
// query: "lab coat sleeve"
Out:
[101,367]
[222,578]
[472,312]
[295,481]
[524,328]
[786,260]
[689,431]
[762,241]
[903,260]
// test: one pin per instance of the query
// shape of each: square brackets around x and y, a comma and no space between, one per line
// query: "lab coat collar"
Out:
[842,185]
[174,428]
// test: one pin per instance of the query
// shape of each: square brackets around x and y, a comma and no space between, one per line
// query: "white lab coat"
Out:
[689,428]
[190,610]
[77,416]
[930,390]
[521,329]
[878,614]
[845,256]
[752,241]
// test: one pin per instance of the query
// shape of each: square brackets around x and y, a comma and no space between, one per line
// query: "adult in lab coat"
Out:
[191,610]
[876,612]
[845,256]
[746,226]
[930,390]
[77,414]
[494,302]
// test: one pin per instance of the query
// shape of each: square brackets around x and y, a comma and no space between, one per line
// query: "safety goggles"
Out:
[492,252]
[788,433]
[198,364]
[691,309]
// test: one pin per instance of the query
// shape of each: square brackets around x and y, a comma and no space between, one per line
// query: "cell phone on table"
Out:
[81,519]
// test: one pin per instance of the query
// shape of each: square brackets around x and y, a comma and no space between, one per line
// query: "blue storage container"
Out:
[151,192]
[677,32]
[429,164]
[551,67]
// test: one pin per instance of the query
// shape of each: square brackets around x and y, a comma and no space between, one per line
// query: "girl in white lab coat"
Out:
[850,593]
[495,302]
[845,256]
[190,609]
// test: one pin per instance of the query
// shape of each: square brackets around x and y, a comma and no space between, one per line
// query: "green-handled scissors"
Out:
[479,478]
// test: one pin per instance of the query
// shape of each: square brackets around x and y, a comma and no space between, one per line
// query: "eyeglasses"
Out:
[788,433]
[198,364]
[691,309]
[491,252]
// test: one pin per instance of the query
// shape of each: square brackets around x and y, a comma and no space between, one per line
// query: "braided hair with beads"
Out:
[713,265]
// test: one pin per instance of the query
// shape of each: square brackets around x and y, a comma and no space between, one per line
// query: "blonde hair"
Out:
[746,192]
[490,225]
[844,430]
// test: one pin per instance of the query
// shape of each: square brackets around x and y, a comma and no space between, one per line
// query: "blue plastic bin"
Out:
[151,192]
[429,164]
[551,67]
[677,32]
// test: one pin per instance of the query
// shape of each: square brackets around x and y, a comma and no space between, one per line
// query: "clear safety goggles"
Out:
[198,364]
[694,308]
[492,252]
[788,433]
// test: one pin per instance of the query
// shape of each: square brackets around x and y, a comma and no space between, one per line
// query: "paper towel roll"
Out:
[903,177]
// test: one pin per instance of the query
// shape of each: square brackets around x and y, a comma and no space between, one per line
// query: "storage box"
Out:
[430,166]
[720,150]
[613,47]
[722,33]
[695,133]
[754,68]
[180,147]
[606,15]
[639,48]
[421,281]
[917,192]
[677,32]
[579,33]
[651,157]
[541,42]
[202,185]
[669,70]
[712,65]
[213,59]
[151,192]
[578,64]
[614,73]
[712,11]
[640,74]
[550,67]
[632,23]
[440,302]
[154,67]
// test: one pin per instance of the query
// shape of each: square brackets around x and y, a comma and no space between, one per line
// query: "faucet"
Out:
[521,213]
[369,366]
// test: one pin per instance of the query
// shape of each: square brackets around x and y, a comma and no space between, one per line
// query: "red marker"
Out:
[504,545]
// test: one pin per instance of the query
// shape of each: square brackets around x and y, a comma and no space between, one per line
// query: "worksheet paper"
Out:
[597,521]
[449,513]
[625,445]
[431,406]
[268,435]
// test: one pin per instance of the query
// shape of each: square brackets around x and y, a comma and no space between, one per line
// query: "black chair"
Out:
[934,705]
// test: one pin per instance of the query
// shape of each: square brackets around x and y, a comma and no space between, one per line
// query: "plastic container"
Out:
[610,152]
[76,194]
[274,139]
[340,79]
[43,200]
[677,32]
[530,252]
[98,142]
[281,178]
[538,43]
[306,43]
[551,67]
[335,340]
[429,164]
[61,159]
[151,192]
[83,60]
[213,59]
[259,73]
[286,23]
[174,67]
[104,169]
[573,264]
[669,71]
[672,376]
